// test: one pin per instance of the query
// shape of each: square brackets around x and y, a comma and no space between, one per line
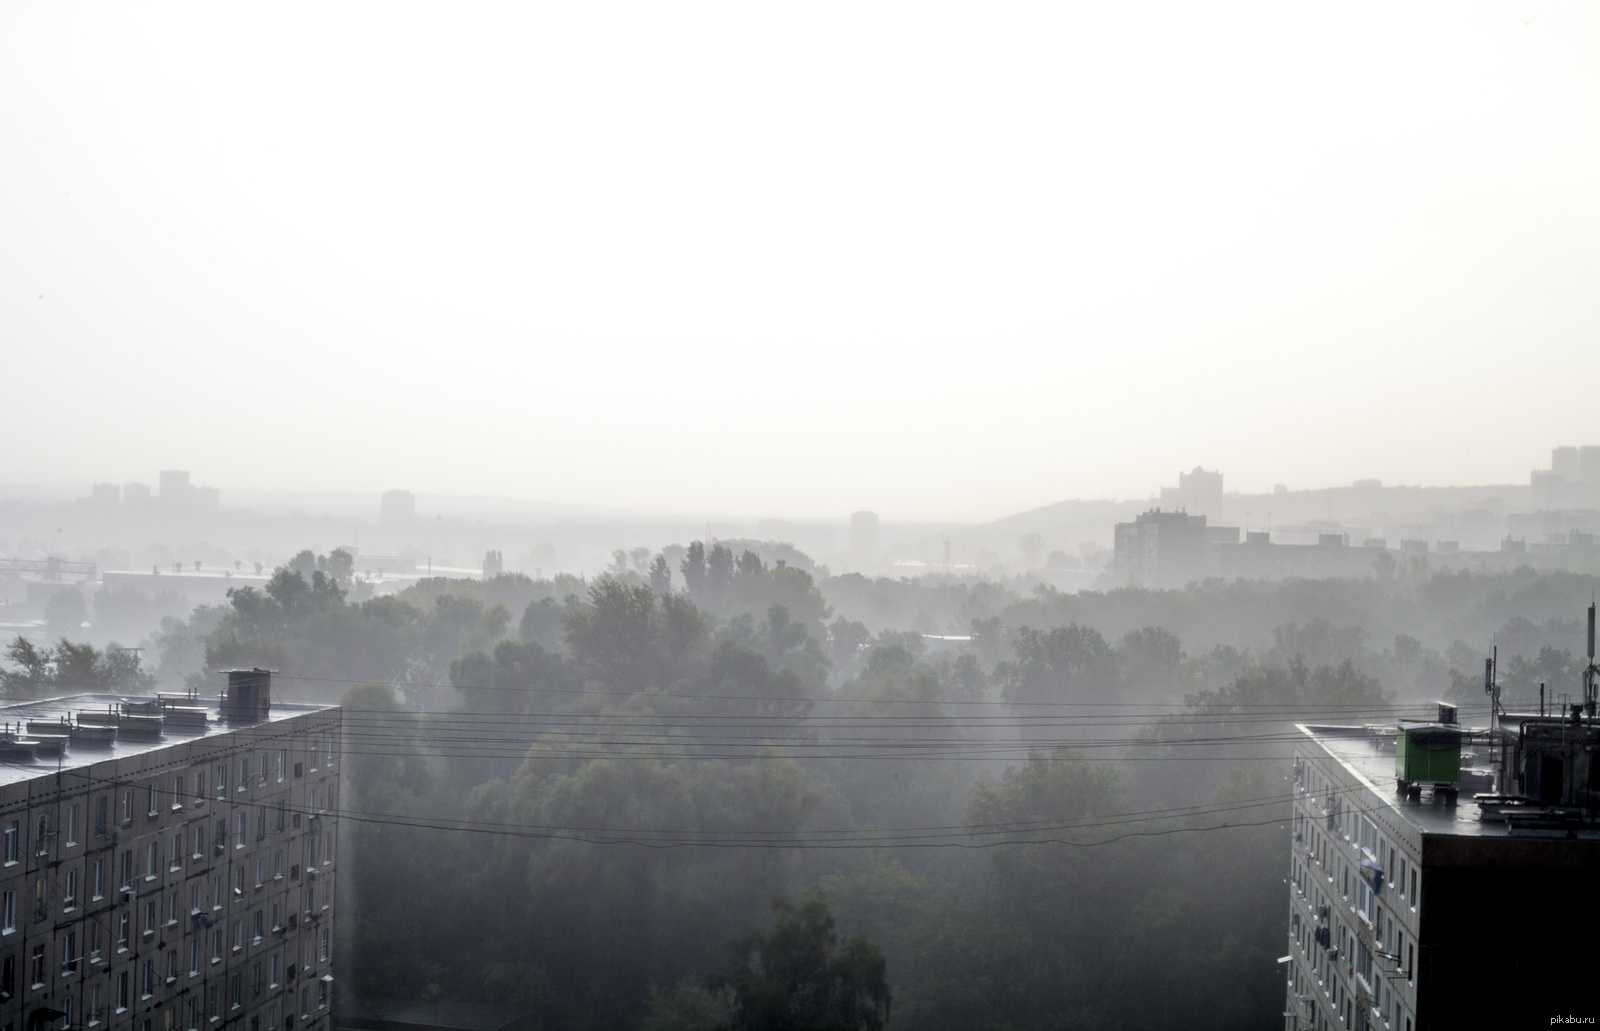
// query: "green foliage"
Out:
[69,667]
[797,977]
[689,1006]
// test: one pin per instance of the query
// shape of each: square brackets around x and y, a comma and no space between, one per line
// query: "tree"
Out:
[661,576]
[1032,546]
[33,674]
[798,978]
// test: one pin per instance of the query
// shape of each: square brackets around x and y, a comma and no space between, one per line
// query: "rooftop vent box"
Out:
[1428,753]
[249,697]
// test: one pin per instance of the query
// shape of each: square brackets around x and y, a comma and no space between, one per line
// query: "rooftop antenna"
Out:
[1491,688]
[1590,669]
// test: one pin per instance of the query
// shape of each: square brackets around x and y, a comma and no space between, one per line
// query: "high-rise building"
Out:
[863,531]
[174,485]
[168,864]
[397,507]
[1440,875]
[1198,493]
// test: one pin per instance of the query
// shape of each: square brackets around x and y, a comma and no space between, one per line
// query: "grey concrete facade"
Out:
[180,880]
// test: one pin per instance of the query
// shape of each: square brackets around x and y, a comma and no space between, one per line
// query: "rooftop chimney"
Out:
[249,697]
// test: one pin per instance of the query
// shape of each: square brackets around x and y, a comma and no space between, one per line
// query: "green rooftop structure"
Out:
[1428,753]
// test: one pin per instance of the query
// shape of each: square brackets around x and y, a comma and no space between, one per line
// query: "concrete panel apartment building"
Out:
[168,864]
[1443,876]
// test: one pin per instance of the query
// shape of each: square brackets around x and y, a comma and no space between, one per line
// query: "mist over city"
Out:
[727,518]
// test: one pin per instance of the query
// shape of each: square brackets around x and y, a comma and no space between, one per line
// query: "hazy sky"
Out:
[939,261]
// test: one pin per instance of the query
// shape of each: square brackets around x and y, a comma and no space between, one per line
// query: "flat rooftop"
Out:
[78,754]
[1368,754]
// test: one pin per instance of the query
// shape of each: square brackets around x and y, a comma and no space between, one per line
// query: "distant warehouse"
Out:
[168,863]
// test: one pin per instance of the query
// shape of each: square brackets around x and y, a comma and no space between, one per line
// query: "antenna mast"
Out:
[1590,670]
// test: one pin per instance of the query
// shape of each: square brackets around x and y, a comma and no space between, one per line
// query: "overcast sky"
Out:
[938,261]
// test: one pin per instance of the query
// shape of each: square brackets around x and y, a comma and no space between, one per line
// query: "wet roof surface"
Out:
[14,769]
[1368,752]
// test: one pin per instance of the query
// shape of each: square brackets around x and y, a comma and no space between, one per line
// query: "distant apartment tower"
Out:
[135,493]
[174,485]
[107,494]
[1438,872]
[1198,493]
[1161,549]
[179,495]
[863,531]
[168,864]
[397,507]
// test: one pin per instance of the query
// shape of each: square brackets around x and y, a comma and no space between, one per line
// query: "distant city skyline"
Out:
[720,259]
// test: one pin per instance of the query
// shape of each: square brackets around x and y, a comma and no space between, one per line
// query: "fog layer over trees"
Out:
[705,786]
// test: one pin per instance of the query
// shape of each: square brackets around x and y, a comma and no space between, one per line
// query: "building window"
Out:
[199,841]
[273,966]
[216,946]
[150,916]
[43,846]
[94,1005]
[123,930]
[177,852]
[172,907]
[101,816]
[172,966]
[244,774]
[260,920]
[177,791]
[122,991]
[69,889]
[277,865]
[196,897]
[127,870]
[277,916]
[199,788]
[322,947]
[260,870]
[69,952]
[127,806]
[97,879]
[66,1013]
[147,979]
[36,968]
[222,779]
[194,957]
[11,842]
[222,834]
[41,900]
[235,995]
[152,860]
[154,799]
[283,762]
[238,935]
[8,912]
[239,831]
[72,825]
